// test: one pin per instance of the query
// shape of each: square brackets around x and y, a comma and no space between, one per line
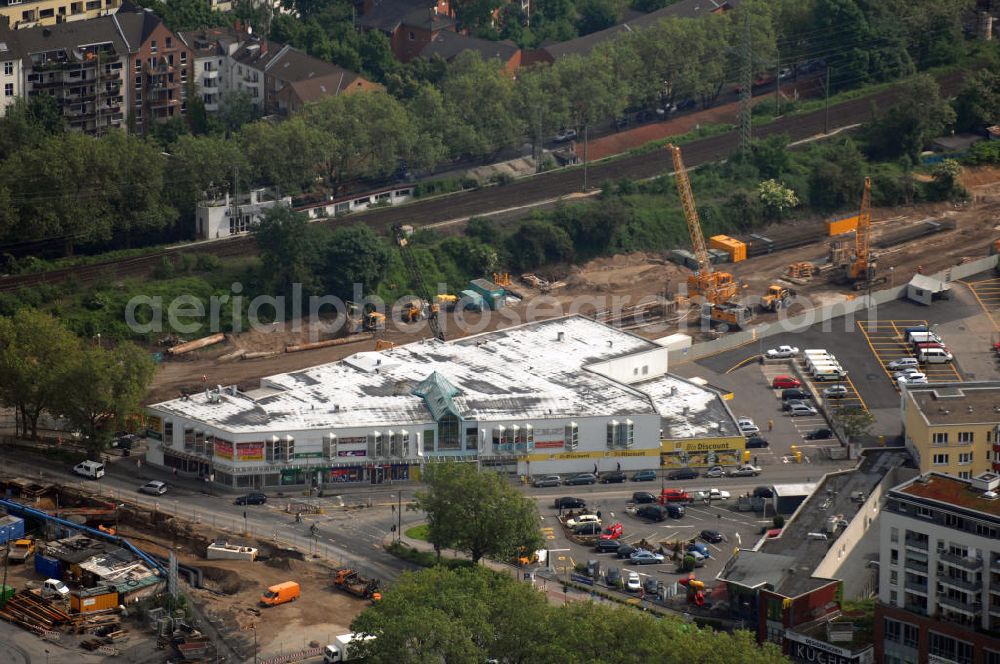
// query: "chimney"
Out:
[263,47]
[560,336]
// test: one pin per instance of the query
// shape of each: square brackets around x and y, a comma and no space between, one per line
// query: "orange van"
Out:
[281,593]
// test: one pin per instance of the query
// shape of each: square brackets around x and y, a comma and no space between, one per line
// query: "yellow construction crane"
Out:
[717,288]
[859,271]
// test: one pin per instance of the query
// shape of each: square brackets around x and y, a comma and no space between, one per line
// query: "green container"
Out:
[6,592]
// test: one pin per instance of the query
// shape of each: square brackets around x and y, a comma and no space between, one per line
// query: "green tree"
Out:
[116,381]
[36,353]
[597,15]
[480,97]
[201,168]
[945,185]
[288,155]
[978,105]
[28,121]
[776,198]
[770,155]
[853,421]
[477,512]
[186,14]
[236,110]
[918,115]
[291,249]
[590,91]
[536,242]
[354,255]
[836,176]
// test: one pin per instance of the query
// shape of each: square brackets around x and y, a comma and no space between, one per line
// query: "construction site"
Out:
[114,579]
[721,283]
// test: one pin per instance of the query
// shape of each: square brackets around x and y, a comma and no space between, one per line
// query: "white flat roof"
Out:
[533,371]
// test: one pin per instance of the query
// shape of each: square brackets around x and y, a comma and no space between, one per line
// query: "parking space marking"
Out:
[987,294]
[885,339]
[743,363]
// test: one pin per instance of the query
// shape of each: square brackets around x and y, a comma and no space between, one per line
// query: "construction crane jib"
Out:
[862,237]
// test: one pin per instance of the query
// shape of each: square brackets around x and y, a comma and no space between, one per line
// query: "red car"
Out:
[674,496]
[612,532]
[785,383]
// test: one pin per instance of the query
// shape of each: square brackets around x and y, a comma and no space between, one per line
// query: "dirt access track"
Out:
[625,279]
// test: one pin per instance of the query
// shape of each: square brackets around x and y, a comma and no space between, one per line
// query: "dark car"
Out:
[613,576]
[754,442]
[763,492]
[613,477]
[652,512]
[651,585]
[606,546]
[644,476]
[255,498]
[570,503]
[713,536]
[795,393]
[675,511]
[683,474]
[582,478]
[643,498]
[588,528]
[625,550]
[819,434]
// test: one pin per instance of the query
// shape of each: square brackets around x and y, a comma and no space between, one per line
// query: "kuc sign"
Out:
[812,651]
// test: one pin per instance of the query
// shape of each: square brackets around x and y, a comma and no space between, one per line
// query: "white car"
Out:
[564,135]
[55,588]
[800,409]
[902,363]
[715,472]
[908,371]
[632,582]
[583,518]
[835,392]
[154,488]
[747,427]
[712,494]
[912,379]
[781,352]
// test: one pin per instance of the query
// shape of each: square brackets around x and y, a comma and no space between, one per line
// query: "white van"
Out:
[54,588]
[934,356]
[922,337]
[829,373]
[825,367]
[92,469]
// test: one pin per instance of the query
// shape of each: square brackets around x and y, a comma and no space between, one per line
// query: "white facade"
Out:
[939,559]
[11,79]
[223,218]
[523,400]
[208,76]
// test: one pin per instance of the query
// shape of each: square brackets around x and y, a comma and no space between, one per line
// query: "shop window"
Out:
[472,438]
[572,436]
[188,439]
[621,435]
[168,431]
[429,440]
[330,446]
[375,449]
[449,437]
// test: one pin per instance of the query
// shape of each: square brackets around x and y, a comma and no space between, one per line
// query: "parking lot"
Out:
[987,293]
[887,339]
[737,528]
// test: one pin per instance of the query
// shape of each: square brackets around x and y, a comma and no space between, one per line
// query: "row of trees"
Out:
[44,368]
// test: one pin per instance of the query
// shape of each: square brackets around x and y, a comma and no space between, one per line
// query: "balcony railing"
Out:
[919,543]
[916,608]
[918,565]
[971,586]
[961,561]
[916,586]
[962,606]
[163,103]
[211,73]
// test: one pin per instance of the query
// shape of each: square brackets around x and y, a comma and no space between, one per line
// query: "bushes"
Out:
[982,153]
[425,558]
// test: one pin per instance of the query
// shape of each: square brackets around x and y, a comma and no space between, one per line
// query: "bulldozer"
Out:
[776,298]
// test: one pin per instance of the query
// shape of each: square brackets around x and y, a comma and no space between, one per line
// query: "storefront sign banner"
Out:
[352,453]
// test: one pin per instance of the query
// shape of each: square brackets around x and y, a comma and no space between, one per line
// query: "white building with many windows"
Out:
[561,396]
[939,572]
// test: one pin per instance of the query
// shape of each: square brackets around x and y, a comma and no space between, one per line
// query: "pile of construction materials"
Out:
[33,613]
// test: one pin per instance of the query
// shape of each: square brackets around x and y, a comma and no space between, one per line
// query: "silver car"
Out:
[800,409]
[154,488]
[548,480]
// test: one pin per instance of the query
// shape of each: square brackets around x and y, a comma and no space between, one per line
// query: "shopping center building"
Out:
[560,396]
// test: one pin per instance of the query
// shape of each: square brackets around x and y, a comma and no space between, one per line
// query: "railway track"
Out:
[490,199]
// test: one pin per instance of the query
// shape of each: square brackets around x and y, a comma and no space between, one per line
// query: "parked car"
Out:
[835,392]
[754,442]
[746,470]
[632,582]
[92,469]
[624,550]
[712,494]
[644,476]
[564,135]
[613,576]
[643,557]
[651,586]
[675,511]
[819,434]
[651,513]
[674,496]
[791,403]
[785,383]
[575,521]
[582,478]
[613,477]
[912,379]
[715,472]
[253,498]
[747,426]
[547,480]
[643,498]
[606,546]
[612,532]
[683,474]
[699,559]
[781,352]
[902,363]
[795,393]
[800,409]
[588,528]
[906,371]
[699,547]
[713,536]
[154,488]
[570,503]
[55,588]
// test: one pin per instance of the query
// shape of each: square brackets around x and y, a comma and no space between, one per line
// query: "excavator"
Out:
[718,289]
[434,303]
[859,268]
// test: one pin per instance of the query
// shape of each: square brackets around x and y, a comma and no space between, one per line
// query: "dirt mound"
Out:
[225,581]
[623,272]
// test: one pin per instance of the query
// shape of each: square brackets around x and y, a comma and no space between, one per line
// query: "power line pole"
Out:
[746,81]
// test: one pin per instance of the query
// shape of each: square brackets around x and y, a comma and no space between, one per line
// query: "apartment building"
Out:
[211,48]
[952,427]
[38,13]
[160,64]
[939,572]
[12,78]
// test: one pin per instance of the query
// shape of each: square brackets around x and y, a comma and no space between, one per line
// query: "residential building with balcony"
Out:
[82,65]
[952,428]
[211,48]
[939,571]
[37,13]
[12,79]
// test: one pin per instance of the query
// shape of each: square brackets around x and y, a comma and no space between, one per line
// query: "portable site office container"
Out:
[11,528]
[50,568]
[93,599]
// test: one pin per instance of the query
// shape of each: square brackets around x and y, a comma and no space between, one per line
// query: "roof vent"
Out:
[988,482]
[560,336]
[969,409]
[990,495]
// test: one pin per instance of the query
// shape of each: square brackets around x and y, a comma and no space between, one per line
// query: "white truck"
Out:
[343,648]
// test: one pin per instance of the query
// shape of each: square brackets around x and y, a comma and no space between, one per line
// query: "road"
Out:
[523,193]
